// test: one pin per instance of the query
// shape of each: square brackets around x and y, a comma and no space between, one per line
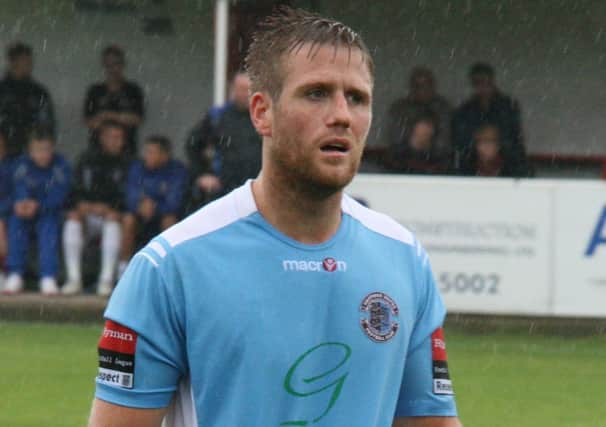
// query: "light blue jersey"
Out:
[232,323]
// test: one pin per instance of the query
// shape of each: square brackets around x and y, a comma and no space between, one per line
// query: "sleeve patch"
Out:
[117,348]
[441,378]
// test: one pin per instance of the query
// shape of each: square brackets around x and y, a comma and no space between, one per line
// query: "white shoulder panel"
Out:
[182,410]
[214,216]
[377,222]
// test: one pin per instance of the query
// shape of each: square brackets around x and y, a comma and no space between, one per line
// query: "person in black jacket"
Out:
[421,100]
[488,105]
[115,99]
[224,148]
[97,207]
[24,103]
[415,153]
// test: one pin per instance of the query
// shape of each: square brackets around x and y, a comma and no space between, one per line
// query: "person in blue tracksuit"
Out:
[154,193]
[41,182]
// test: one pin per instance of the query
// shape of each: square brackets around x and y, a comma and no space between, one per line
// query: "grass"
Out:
[46,374]
[47,377]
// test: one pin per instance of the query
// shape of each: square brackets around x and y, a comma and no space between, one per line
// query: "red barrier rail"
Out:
[376,152]
[570,160]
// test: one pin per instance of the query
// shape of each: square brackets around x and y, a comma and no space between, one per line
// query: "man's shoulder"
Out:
[505,100]
[377,222]
[177,166]
[96,89]
[212,218]
[40,88]
[132,88]
[60,160]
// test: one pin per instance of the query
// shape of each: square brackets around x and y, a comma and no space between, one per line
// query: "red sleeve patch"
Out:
[441,377]
[117,348]
[438,345]
[118,338]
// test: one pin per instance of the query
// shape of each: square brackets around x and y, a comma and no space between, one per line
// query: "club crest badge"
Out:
[379,313]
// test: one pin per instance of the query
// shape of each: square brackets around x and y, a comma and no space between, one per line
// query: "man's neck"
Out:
[297,214]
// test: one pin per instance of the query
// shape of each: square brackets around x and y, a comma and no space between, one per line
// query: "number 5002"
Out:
[475,283]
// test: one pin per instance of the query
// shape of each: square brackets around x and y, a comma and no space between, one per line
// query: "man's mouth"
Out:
[336,146]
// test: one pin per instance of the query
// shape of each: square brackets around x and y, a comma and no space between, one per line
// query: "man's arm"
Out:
[106,414]
[426,422]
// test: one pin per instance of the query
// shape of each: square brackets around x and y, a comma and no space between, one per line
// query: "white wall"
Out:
[175,71]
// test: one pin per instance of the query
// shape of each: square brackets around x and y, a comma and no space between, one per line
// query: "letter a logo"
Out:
[599,235]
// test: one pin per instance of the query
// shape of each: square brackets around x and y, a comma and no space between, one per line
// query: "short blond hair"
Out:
[287,30]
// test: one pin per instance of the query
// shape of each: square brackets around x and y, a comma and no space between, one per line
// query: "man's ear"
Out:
[261,113]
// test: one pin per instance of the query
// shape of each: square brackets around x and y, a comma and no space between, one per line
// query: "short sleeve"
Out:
[138,100]
[426,388]
[90,103]
[142,347]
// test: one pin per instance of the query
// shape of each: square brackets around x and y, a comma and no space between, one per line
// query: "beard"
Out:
[306,174]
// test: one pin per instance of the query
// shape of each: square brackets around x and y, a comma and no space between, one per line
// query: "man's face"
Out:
[422,89]
[239,91]
[154,156]
[483,86]
[422,136]
[321,119]
[21,67]
[487,144]
[41,152]
[112,140]
[114,67]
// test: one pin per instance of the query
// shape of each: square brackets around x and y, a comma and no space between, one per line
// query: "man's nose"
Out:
[340,114]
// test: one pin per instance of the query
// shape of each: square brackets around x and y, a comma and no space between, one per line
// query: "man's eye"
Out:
[356,98]
[317,93]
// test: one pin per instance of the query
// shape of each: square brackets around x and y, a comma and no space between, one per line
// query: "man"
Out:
[24,103]
[422,100]
[114,99]
[97,208]
[154,194]
[488,105]
[284,303]
[41,183]
[224,149]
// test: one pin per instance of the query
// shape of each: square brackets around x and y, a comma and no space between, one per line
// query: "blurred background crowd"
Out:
[115,187]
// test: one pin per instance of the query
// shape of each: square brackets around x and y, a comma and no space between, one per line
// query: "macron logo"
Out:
[328,264]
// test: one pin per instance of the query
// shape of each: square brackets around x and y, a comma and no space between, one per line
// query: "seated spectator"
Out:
[5,204]
[224,148]
[489,105]
[97,207]
[487,157]
[416,154]
[154,194]
[41,184]
[24,103]
[422,100]
[115,99]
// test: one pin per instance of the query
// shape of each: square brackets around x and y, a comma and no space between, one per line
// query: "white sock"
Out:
[110,248]
[72,249]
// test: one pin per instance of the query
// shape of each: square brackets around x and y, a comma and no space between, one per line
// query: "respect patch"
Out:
[116,349]
[441,377]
